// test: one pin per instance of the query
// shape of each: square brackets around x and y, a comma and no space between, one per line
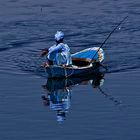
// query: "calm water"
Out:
[88,111]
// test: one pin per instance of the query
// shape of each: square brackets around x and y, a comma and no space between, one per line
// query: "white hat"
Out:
[59,35]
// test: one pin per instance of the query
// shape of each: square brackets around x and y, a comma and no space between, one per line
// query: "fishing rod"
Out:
[109,35]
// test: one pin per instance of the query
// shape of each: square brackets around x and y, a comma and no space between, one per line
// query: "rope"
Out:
[66,72]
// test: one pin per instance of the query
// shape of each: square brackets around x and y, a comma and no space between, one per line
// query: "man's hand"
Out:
[44,52]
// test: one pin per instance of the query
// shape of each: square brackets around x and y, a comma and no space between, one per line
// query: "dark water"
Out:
[109,113]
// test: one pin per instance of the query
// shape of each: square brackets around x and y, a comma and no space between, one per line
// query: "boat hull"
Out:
[65,72]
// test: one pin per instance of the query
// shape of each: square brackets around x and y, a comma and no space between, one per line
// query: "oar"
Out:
[109,36]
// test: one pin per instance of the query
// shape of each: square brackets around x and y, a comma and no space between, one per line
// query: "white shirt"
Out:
[60,54]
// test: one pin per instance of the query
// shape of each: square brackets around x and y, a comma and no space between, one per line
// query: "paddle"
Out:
[109,35]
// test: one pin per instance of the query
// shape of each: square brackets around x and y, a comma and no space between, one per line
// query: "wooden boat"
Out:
[82,63]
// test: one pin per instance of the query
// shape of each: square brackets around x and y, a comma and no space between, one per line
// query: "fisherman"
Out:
[58,54]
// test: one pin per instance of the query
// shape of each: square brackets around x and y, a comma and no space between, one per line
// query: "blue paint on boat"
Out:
[87,54]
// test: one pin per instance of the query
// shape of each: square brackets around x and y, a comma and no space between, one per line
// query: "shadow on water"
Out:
[58,93]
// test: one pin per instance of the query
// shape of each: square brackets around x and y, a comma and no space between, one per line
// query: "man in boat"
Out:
[58,54]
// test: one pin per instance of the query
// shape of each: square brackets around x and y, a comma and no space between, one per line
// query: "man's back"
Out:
[60,54]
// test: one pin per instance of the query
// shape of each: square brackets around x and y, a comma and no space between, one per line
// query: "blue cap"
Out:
[59,35]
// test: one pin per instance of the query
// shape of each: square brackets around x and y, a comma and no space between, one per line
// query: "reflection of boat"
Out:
[54,84]
[86,61]
[58,92]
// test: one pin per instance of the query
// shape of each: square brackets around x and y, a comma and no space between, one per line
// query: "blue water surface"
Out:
[105,108]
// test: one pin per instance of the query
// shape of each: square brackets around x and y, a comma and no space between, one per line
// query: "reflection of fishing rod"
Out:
[116,102]
[109,36]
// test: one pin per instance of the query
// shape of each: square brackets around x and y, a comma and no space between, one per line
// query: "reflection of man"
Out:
[58,100]
[46,101]
[61,115]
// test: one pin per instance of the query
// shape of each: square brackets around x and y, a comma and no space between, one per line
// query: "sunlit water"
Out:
[106,112]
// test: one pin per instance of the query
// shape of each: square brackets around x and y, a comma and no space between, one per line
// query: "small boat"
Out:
[82,64]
